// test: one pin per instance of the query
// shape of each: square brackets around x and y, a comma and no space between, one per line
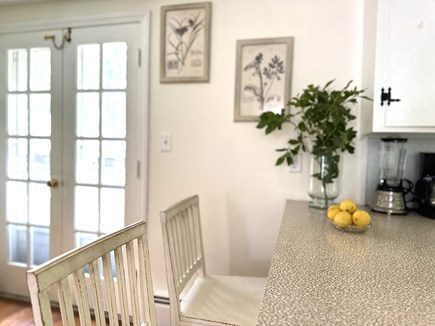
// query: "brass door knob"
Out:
[53,183]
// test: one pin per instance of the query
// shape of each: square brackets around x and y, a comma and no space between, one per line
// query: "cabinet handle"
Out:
[387,97]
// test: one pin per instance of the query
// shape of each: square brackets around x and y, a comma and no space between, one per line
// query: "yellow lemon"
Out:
[348,205]
[361,218]
[332,211]
[343,219]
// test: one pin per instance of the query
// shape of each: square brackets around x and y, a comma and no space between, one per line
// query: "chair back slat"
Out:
[182,246]
[119,289]
[82,297]
[187,250]
[199,249]
[144,295]
[175,249]
[183,242]
[122,289]
[110,289]
[97,292]
[64,295]
[133,283]
[44,314]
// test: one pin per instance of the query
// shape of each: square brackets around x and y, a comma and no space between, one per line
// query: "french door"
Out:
[73,141]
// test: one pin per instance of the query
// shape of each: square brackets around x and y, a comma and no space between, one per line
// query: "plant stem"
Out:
[325,193]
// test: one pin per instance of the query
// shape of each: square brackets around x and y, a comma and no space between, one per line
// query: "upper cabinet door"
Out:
[404,79]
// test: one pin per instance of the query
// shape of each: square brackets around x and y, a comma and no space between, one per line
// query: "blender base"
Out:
[389,202]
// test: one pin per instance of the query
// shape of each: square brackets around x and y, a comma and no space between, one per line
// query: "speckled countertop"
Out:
[322,276]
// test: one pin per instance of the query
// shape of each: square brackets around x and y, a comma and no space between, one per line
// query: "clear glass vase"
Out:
[321,192]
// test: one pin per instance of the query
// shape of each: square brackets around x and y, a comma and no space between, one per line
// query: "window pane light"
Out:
[115,65]
[88,66]
[17,68]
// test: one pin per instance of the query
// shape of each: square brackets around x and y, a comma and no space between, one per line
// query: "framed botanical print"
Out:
[185,43]
[263,76]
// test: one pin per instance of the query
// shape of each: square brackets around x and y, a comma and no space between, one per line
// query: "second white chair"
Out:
[197,298]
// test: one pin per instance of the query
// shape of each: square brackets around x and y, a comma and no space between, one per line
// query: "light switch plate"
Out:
[165,142]
[296,166]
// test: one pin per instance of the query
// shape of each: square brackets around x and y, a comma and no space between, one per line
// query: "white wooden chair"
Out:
[195,297]
[125,299]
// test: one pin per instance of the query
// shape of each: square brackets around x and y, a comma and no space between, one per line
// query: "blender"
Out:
[390,193]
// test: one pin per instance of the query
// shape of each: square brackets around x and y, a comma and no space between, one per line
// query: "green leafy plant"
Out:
[321,118]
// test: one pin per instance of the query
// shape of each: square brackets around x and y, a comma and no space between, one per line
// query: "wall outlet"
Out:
[165,142]
[296,166]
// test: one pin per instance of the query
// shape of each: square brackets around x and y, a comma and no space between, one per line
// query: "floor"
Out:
[13,312]
[19,313]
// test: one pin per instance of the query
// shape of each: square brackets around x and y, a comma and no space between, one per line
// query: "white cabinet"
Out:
[399,54]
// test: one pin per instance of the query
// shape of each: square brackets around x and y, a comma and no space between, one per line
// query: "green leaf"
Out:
[280,160]
[328,83]
[302,126]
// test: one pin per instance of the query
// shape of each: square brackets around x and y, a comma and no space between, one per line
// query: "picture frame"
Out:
[263,76]
[185,43]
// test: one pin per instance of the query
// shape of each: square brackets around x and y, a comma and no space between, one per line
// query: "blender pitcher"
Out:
[389,196]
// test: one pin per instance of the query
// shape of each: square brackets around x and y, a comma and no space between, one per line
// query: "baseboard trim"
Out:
[157,298]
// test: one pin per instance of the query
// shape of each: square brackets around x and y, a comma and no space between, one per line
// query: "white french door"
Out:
[73,142]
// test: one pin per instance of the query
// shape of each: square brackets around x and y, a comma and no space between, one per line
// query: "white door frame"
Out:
[143,20]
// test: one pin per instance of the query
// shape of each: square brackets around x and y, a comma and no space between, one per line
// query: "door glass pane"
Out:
[27,204]
[101,113]
[17,70]
[17,158]
[39,204]
[39,245]
[17,115]
[88,66]
[84,238]
[112,209]
[40,69]
[87,161]
[88,114]
[40,115]
[17,243]
[16,202]
[39,166]
[113,163]
[86,209]
[114,115]
[115,65]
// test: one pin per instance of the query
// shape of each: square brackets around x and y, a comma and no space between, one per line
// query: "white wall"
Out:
[231,165]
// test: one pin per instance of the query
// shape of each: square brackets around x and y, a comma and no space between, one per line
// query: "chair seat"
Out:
[233,300]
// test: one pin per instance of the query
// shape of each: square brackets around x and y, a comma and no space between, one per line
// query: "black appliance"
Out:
[425,186]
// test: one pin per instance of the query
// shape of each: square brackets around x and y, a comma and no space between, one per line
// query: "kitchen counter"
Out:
[320,275]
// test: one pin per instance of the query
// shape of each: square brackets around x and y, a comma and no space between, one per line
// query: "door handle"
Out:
[53,183]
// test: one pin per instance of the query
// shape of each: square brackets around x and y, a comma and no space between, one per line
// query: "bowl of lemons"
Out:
[347,217]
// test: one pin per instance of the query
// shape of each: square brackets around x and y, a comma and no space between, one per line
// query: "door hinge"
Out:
[138,169]
[386,96]
[139,57]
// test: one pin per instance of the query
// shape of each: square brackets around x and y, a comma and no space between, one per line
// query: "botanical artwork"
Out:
[263,77]
[185,43]
[264,89]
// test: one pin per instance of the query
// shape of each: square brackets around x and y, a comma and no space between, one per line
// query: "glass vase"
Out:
[322,191]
